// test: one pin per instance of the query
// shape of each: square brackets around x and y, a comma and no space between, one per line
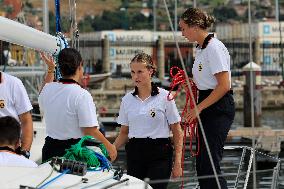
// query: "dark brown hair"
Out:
[10,130]
[69,60]
[145,59]
[197,17]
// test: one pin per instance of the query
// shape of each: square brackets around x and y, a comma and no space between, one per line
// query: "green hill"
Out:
[84,7]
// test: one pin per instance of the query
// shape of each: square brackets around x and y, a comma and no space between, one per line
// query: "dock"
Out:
[267,139]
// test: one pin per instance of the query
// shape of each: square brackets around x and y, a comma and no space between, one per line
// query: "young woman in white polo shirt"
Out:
[68,109]
[211,73]
[146,118]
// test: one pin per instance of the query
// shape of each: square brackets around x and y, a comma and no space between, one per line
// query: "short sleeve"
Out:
[219,59]
[172,113]
[86,111]
[22,101]
[122,116]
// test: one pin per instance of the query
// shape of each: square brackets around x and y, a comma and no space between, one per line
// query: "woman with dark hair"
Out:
[68,109]
[211,74]
[146,118]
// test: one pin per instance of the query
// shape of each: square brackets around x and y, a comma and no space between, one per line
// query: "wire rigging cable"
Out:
[73,25]
[178,80]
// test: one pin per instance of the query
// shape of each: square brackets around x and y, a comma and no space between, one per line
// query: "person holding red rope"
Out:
[212,76]
[146,117]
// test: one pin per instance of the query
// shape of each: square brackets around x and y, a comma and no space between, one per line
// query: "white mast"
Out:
[23,35]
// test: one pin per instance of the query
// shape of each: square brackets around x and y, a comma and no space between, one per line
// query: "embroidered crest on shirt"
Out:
[2,104]
[152,112]
[200,66]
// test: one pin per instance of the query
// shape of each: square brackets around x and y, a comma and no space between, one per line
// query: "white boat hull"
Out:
[13,177]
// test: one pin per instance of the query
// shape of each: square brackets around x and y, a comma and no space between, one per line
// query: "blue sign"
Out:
[267,59]
[111,36]
[266,29]
[112,52]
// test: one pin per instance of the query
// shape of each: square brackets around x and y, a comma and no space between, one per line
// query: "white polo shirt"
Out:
[149,118]
[66,109]
[15,160]
[14,99]
[213,59]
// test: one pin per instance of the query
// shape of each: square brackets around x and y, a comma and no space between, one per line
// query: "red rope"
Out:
[86,80]
[179,80]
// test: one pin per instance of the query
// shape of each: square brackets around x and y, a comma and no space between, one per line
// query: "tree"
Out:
[65,23]
[224,13]
[85,25]
[110,20]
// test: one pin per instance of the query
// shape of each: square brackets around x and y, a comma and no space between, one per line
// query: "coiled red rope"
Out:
[179,80]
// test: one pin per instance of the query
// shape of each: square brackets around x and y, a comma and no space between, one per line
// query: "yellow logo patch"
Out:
[2,104]
[199,67]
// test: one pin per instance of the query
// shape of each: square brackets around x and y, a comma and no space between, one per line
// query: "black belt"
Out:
[150,140]
[71,140]
[208,91]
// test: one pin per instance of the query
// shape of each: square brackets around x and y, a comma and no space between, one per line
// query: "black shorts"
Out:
[54,147]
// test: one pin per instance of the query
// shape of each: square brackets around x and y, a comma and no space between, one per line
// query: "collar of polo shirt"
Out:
[206,41]
[154,92]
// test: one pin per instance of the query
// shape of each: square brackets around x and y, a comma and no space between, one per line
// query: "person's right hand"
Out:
[112,152]
[48,60]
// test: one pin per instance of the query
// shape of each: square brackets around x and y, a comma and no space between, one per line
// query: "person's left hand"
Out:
[192,114]
[112,152]
[177,170]
[48,60]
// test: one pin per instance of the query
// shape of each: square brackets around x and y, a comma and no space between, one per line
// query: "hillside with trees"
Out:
[97,15]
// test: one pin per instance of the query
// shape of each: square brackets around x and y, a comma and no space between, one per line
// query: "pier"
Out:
[267,139]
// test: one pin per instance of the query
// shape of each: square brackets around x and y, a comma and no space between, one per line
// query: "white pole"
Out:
[252,94]
[45,16]
[276,10]
[23,35]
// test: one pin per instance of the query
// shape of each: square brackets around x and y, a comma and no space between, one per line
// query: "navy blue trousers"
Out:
[150,158]
[216,120]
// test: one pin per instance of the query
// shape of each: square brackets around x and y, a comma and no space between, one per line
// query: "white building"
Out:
[265,33]
[120,56]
